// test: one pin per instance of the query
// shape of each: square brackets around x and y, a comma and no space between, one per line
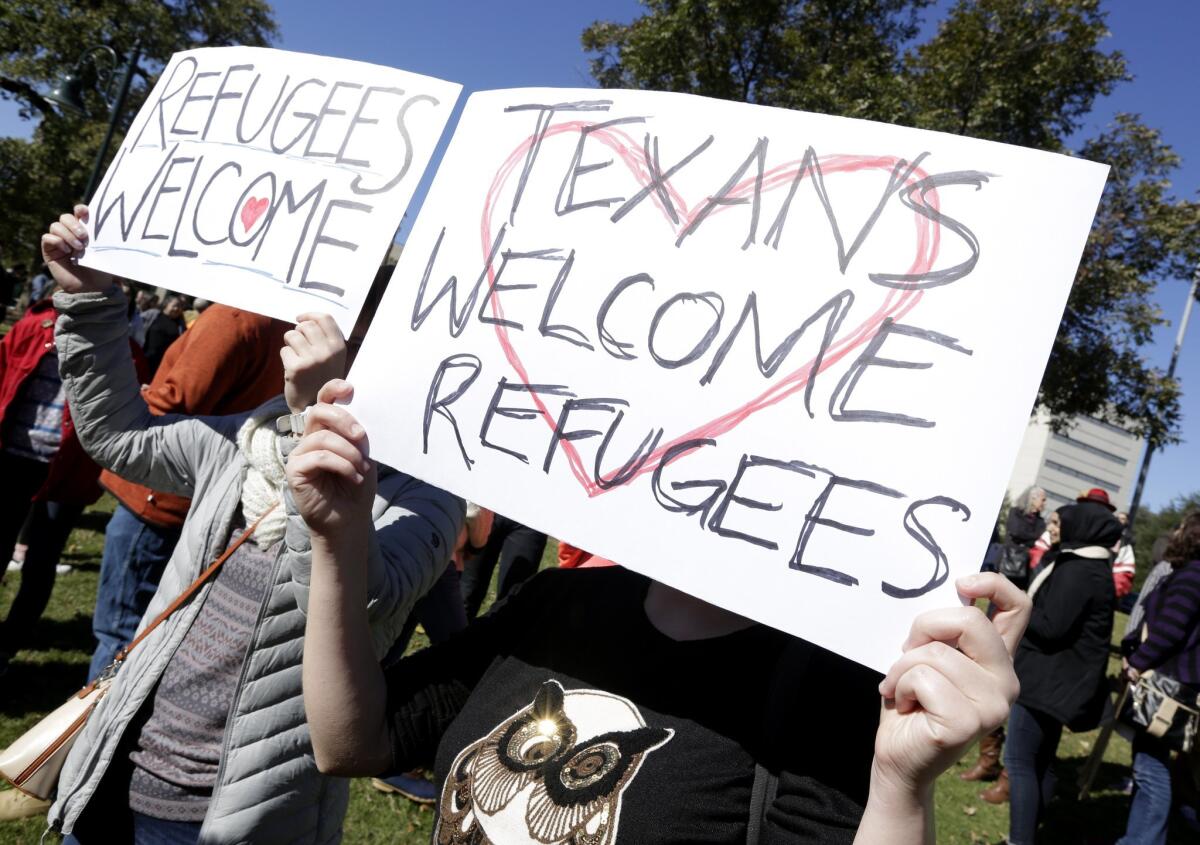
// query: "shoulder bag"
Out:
[33,762]
[1164,708]
[1014,562]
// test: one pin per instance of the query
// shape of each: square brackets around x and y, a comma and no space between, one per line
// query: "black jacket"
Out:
[1063,658]
[1023,529]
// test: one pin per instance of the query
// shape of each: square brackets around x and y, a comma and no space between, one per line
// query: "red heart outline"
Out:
[252,210]
[895,305]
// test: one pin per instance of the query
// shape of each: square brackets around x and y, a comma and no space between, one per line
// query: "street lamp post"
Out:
[68,93]
[1183,324]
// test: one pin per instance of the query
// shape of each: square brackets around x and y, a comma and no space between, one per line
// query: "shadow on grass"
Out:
[1098,819]
[74,634]
[40,687]
[93,521]
[83,561]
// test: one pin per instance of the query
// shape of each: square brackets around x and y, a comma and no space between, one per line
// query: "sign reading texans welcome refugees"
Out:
[778,360]
[267,180]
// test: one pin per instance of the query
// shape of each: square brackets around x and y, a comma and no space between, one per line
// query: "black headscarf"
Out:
[1088,524]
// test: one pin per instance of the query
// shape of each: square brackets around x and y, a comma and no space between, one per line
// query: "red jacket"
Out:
[72,475]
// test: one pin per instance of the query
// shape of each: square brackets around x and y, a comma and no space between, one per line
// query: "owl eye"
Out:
[534,741]
[590,765]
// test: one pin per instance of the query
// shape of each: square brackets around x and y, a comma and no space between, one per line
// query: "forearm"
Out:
[896,815]
[102,386]
[344,691]
[111,419]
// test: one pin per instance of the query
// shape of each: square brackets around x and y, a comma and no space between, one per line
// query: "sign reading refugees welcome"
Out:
[267,180]
[778,360]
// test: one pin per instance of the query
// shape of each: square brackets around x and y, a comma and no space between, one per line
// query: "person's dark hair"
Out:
[1184,545]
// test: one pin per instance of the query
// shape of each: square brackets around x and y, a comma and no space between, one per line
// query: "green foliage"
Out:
[1150,525]
[41,39]
[1019,72]
[1141,237]
[836,56]
[1023,72]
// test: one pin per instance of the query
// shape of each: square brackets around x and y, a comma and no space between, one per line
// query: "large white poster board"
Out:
[267,180]
[778,360]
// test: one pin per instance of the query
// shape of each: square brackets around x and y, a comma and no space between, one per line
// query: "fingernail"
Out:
[356,430]
[967,581]
[76,244]
[80,232]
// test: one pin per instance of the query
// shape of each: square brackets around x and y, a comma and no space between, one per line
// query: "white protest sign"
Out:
[267,180]
[778,360]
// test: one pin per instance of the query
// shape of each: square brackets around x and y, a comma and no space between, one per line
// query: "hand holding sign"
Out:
[330,471]
[314,354]
[62,247]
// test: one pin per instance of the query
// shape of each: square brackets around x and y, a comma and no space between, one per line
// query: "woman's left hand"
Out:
[954,683]
[314,355]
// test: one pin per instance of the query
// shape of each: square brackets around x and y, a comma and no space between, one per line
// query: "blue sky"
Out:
[484,44]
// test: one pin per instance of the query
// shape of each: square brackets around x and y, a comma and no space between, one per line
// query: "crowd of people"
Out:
[589,704]
[1076,564]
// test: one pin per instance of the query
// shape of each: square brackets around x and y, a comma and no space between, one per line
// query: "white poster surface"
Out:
[778,360]
[267,180]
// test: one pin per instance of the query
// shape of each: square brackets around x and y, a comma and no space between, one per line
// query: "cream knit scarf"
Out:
[264,481]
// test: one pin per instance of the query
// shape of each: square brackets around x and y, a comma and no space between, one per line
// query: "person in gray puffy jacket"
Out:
[202,736]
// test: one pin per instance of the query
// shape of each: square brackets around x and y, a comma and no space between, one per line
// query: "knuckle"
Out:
[939,651]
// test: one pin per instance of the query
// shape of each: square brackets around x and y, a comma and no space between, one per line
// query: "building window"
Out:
[1113,428]
[1109,456]
[1083,476]
[1058,497]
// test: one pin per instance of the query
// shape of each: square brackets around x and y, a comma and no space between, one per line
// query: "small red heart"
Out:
[252,210]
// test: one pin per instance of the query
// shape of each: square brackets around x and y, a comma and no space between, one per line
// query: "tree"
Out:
[1140,237]
[39,39]
[837,56]
[1152,525]
[1024,72]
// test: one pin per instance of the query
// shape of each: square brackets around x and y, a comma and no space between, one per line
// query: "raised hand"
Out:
[331,477]
[954,683]
[62,245]
[315,353]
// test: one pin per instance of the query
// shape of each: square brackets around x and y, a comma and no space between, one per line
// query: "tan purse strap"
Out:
[184,596]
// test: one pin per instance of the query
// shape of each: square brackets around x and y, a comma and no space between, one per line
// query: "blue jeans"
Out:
[149,831]
[135,554]
[1029,757]
[1151,808]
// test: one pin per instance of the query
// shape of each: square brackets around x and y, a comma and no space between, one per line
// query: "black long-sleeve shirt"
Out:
[566,709]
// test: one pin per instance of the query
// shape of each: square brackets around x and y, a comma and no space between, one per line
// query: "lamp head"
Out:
[67,92]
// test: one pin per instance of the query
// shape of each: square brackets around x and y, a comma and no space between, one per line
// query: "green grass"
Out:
[56,662]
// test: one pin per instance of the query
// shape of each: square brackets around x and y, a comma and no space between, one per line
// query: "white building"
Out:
[1093,453]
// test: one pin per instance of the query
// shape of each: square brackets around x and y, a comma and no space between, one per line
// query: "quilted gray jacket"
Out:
[268,787]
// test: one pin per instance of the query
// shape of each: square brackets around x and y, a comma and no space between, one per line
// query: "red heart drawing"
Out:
[896,303]
[252,210]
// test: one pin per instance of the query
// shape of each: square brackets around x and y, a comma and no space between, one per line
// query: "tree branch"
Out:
[26,92]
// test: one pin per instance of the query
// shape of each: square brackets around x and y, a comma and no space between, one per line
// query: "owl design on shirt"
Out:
[552,773]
